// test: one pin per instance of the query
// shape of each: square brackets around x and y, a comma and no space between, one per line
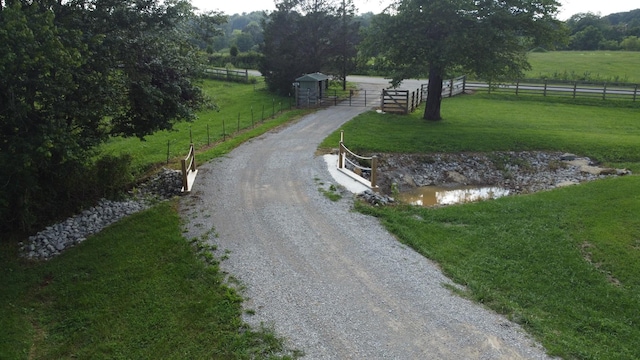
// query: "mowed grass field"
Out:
[565,264]
[243,111]
[603,66]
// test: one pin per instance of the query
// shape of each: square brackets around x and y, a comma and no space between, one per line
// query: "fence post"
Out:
[185,182]
[341,151]
[604,92]
[374,167]
[545,88]
[575,88]
[365,97]
[635,93]
[451,88]
[246,75]
[464,84]
[517,86]
[406,106]
[382,100]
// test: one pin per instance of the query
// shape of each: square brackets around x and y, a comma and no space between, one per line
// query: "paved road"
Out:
[332,281]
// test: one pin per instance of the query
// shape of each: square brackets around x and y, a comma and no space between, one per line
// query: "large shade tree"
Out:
[73,73]
[486,37]
[305,36]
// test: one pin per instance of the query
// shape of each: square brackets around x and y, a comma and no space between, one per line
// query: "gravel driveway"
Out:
[332,281]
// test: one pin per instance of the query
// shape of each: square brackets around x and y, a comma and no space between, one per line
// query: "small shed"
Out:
[311,88]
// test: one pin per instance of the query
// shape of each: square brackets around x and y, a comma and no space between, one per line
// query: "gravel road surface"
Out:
[333,282]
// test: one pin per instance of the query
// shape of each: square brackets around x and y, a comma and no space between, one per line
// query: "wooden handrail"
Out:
[190,169]
[342,152]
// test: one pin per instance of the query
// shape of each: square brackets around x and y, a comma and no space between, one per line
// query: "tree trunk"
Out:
[434,95]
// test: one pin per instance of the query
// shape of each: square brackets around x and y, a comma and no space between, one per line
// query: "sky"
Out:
[569,7]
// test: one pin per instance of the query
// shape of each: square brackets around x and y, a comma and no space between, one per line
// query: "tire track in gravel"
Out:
[333,282]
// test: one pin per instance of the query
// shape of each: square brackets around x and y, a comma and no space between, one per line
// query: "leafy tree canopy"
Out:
[489,38]
[306,36]
[74,73]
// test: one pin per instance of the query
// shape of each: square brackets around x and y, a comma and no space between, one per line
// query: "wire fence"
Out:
[227,127]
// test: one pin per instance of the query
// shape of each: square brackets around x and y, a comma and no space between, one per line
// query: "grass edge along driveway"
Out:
[564,263]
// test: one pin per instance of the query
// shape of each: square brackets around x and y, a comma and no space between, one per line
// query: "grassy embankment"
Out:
[242,113]
[139,289]
[564,263]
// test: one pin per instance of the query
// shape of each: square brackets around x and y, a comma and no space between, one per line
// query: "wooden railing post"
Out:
[192,151]
[341,151]
[374,167]
[185,182]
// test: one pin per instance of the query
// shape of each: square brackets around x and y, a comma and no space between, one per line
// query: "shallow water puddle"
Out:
[437,195]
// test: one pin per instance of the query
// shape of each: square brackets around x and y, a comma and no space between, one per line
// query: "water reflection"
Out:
[436,195]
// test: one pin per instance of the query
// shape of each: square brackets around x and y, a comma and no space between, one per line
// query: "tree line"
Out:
[619,31]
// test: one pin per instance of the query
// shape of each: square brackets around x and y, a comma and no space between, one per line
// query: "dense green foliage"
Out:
[74,73]
[306,36]
[136,290]
[486,38]
[620,31]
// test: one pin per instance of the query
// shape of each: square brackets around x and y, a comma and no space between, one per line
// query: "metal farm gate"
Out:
[358,98]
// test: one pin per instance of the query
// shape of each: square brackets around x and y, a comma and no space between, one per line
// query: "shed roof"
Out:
[313,77]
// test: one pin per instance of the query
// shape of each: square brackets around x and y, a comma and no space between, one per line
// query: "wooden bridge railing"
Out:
[358,169]
[189,170]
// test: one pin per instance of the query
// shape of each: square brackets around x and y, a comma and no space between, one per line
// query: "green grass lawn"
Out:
[137,290]
[241,108]
[482,122]
[609,66]
[565,264]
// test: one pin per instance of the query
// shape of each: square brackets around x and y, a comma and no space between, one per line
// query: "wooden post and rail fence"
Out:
[406,101]
[358,169]
[228,74]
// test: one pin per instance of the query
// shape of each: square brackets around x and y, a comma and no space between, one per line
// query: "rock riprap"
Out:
[56,238]
[520,172]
